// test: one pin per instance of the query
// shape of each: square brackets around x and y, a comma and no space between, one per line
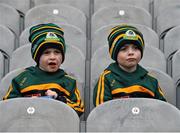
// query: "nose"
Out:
[52,55]
[131,51]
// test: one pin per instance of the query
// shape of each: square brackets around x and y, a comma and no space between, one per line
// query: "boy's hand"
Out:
[51,93]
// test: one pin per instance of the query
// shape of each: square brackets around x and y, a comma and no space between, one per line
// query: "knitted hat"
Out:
[124,34]
[43,36]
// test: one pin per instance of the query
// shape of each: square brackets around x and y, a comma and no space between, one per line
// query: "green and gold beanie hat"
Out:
[124,34]
[43,36]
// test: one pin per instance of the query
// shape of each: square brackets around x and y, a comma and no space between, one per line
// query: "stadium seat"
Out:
[159,5]
[21,5]
[171,45]
[99,37]
[6,81]
[176,66]
[120,14]
[72,34]
[153,57]
[168,18]
[166,83]
[37,115]
[10,18]
[134,115]
[21,57]
[83,5]
[56,13]
[2,65]
[139,3]
[176,74]
[7,39]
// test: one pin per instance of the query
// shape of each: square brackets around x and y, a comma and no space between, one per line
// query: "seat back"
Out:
[166,83]
[134,115]
[168,18]
[21,5]
[175,66]
[171,45]
[55,13]
[120,14]
[10,18]
[37,115]
[146,4]
[6,81]
[153,57]
[7,39]
[83,5]
[21,57]
[2,65]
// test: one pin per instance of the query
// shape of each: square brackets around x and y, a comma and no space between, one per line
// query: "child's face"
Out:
[50,60]
[128,57]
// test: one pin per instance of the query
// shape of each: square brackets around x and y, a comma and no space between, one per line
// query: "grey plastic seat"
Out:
[168,18]
[37,115]
[99,37]
[176,74]
[120,14]
[80,4]
[7,45]
[171,45]
[153,57]
[21,5]
[72,34]
[176,66]
[166,83]
[7,39]
[134,115]
[6,81]
[2,65]
[56,13]
[10,18]
[21,57]
[146,4]
[159,5]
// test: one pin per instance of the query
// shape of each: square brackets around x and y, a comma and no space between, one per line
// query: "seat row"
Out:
[120,115]
[75,37]
[152,13]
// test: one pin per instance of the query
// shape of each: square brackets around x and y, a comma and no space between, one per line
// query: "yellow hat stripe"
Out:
[47,27]
[43,34]
[47,42]
[113,30]
[114,42]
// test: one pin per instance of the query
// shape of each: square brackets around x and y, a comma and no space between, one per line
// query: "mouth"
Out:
[131,59]
[52,64]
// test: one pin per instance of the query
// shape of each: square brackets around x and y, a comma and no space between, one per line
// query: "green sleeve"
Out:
[13,91]
[74,100]
[159,93]
[102,91]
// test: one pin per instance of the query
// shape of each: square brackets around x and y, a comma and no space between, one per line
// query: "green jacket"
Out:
[35,82]
[116,83]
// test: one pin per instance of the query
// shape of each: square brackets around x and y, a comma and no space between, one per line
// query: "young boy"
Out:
[47,79]
[125,78]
